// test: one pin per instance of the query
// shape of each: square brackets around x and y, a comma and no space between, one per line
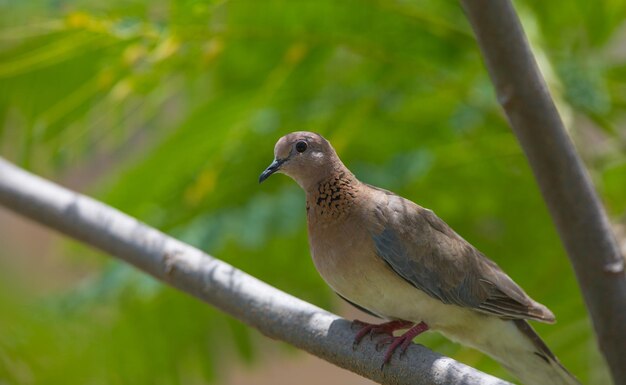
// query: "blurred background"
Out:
[169,110]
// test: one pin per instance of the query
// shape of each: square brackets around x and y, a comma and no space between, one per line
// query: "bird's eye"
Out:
[301,146]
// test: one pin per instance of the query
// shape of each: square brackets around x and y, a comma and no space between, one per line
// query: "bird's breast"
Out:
[339,250]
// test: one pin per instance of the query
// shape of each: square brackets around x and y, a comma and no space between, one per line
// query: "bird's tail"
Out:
[539,366]
[521,351]
[544,367]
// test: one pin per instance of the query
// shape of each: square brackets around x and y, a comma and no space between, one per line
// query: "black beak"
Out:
[272,168]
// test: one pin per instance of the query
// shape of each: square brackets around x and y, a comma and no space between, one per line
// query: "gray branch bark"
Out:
[274,313]
[579,216]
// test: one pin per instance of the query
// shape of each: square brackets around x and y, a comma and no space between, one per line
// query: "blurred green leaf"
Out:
[170,110]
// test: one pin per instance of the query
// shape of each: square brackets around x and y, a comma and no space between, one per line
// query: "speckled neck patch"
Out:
[333,197]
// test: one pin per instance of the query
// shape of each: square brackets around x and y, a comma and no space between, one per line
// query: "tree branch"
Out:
[274,313]
[579,216]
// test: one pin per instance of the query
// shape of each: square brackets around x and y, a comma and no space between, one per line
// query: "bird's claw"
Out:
[372,329]
[366,329]
[357,325]
[384,342]
[402,342]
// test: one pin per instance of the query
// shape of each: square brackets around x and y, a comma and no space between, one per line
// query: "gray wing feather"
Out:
[427,253]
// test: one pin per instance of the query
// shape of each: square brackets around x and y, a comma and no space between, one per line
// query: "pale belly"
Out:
[352,269]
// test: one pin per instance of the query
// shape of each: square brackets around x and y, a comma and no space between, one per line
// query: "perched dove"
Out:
[398,261]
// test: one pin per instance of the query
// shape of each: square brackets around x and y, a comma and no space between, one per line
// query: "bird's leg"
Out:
[384,328]
[402,341]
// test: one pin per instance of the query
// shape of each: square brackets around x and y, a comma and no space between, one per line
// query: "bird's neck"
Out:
[333,196]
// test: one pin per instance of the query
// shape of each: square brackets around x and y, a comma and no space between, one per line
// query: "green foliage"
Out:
[170,110]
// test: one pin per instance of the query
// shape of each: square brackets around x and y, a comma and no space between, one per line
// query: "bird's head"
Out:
[304,156]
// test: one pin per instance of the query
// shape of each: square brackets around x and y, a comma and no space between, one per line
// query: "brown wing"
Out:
[427,253]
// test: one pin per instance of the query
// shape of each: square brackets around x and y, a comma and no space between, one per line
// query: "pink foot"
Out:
[402,341]
[384,328]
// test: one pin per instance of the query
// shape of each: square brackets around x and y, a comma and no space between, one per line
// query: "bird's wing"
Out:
[426,252]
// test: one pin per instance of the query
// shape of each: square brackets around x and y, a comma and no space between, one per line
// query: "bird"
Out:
[400,262]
